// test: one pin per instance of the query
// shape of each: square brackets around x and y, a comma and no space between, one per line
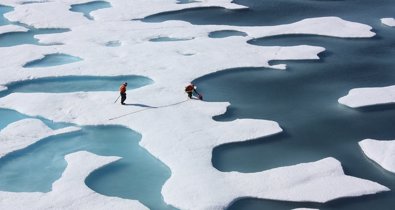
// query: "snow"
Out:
[12,28]
[388,21]
[179,132]
[23,133]
[70,191]
[360,97]
[381,152]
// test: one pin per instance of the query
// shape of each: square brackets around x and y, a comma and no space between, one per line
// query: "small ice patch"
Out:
[388,21]
[381,152]
[360,97]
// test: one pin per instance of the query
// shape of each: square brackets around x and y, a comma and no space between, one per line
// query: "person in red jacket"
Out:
[122,91]
[190,89]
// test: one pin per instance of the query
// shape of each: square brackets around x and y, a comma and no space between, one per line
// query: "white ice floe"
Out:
[181,133]
[12,28]
[23,133]
[70,191]
[381,152]
[388,21]
[360,97]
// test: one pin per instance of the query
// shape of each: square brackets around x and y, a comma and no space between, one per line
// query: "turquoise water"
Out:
[9,116]
[3,10]
[138,175]
[226,33]
[52,60]
[19,38]
[186,1]
[75,84]
[87,8]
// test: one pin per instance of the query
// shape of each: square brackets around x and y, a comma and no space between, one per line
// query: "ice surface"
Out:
[381,152]
[23,133]
[360,97]
[388,21]
[179,132]
[12,28]
[70,192]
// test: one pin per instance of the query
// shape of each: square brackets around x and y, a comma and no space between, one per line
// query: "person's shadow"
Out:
[140,105]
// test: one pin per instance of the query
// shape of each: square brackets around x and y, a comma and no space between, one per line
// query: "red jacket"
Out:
[189,88]
[122,89]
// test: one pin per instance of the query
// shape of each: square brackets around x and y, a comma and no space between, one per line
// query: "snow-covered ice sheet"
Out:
[182,142]
[70,191]
[23,133]
[381,152]
[360,97]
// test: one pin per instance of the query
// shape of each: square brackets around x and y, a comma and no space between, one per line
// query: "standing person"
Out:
[122,91]
[190,89]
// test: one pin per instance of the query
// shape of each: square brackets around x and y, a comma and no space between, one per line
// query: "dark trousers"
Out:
[189,94]
[123,98]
